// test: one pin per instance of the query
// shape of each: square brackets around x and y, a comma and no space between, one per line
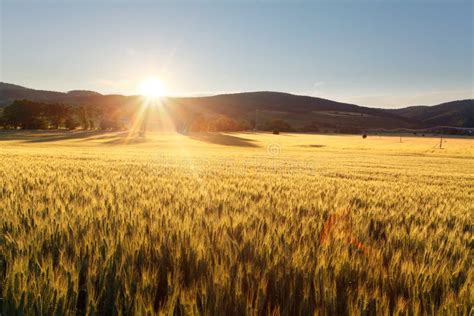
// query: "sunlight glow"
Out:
[152,112]
[152,88]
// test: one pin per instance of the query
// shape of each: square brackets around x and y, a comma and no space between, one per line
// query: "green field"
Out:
[95,223]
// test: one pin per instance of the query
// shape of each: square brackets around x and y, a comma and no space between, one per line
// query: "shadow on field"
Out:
[223,139]
[107,136]
[313,146]
[127,140]
[104,137]
[36,136]
[114,138]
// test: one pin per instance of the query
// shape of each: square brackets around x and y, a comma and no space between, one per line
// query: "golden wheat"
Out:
[235,224]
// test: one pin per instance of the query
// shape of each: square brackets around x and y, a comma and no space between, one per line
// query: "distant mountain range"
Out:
[299,111]
[10,92]
[456,113]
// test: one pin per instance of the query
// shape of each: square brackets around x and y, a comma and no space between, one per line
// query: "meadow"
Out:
[235,224]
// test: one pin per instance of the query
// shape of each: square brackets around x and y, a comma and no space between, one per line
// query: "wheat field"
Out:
[235,224]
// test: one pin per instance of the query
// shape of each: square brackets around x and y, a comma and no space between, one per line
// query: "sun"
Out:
[152,88]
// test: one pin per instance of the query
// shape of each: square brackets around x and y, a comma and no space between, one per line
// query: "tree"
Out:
[225,124]
[71,122]
[199,124]
[25,114]
[107,123]
[109,118]
[83,114]
[55,114]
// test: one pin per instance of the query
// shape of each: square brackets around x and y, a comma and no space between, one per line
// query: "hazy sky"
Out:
[375,53]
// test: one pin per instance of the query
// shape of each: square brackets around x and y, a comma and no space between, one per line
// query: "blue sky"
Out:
[375,53]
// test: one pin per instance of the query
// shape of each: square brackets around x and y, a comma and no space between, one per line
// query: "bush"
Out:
[275,132]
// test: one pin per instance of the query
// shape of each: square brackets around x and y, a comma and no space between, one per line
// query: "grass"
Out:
[235,224]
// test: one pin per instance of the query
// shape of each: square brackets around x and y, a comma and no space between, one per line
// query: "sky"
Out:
[379,53]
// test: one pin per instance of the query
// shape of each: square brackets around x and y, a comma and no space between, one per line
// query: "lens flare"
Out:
[152,88]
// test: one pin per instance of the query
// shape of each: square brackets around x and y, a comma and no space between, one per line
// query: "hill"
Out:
[302,112]
[10,92]
[299,111]
[82,93]
[456,113]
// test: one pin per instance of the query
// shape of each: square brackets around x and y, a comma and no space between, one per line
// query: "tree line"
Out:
[217,123]
[25,114]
